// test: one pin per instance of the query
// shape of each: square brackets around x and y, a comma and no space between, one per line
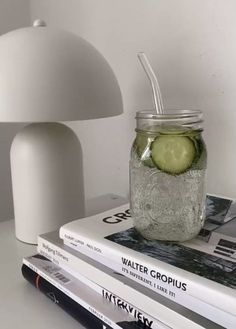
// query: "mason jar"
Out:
[168,175]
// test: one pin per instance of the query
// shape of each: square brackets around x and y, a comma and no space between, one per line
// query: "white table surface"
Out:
[22,305]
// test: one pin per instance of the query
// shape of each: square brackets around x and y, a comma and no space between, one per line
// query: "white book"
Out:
[108,310]
[191,273]
[153,305]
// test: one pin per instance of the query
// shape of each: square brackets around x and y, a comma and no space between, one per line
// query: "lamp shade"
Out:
[48,74]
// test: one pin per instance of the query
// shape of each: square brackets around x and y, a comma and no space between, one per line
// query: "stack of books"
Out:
[105,274]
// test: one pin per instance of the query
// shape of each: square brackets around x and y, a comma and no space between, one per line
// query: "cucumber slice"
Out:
[142,143]
[173,154]
[170,130]
[143,150]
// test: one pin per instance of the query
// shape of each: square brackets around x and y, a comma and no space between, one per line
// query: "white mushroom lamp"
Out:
[49,75]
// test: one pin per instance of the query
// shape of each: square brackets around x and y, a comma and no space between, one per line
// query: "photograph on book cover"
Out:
[217,209]
[219,212]
[211,267]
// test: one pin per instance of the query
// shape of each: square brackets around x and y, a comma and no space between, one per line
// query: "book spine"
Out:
[75,309]
[75,266]
[197,305]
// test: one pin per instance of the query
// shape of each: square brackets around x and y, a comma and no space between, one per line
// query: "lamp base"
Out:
[47,179]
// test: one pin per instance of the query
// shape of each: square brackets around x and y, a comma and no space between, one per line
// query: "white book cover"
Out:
[109,309]
[153,305]
[196,270]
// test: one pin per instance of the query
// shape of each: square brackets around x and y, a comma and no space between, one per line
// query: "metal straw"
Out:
[157,99]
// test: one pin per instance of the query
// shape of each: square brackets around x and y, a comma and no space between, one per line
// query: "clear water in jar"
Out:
[164,205]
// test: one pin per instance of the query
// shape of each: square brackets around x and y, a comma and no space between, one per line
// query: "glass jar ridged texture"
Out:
[168,175]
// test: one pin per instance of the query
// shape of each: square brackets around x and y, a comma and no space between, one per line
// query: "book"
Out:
[190,273]
[76,298]
[95,301]
[61,299]
[151,304]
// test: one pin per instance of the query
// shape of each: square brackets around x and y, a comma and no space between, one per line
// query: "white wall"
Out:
[192,46]
[13,14]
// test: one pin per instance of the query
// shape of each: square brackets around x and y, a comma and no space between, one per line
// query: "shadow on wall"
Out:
[13,15]
[7,133]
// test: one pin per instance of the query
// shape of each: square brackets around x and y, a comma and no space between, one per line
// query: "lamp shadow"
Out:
[7,133]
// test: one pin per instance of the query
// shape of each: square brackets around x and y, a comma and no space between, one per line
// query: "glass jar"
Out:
[168,175]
